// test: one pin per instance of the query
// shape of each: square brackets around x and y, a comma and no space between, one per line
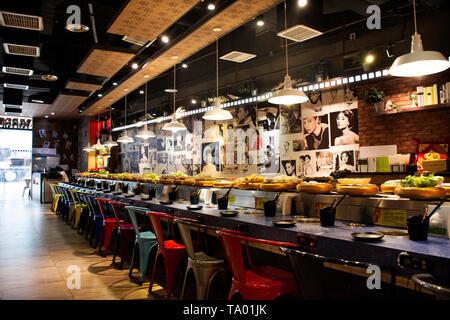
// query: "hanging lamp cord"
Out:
[217,68]
[174,86]
[415,19]
[125,110]
[285,39]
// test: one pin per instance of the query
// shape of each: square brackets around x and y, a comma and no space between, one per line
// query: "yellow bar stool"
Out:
[55,195]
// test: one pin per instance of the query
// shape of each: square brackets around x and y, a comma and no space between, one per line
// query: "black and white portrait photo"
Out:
[268,117]
[161,144]
[345,160]
[344,127]
[316,130]
[289,167]
[290,120]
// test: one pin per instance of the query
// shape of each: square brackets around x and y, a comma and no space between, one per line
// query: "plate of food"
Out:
[357,190]
[421,188]
[223,184]
[367,236]
[389,186]
[284,223]
[252,182]
[194,207]
[314,187]
[229,213]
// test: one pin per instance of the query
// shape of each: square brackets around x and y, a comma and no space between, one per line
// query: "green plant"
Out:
[374,95]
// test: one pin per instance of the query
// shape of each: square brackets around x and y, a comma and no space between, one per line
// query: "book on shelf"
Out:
[419,96]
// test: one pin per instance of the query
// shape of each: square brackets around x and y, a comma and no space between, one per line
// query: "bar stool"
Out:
[95,225]
[171,251]
[314,281]
[84,215]
[145,241]
[259,282]
[204,267]
[55,196]
[109,223]
[125,232]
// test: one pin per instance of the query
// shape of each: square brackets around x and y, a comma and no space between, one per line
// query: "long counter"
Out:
[432,256]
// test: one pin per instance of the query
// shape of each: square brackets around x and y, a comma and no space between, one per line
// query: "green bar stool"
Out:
[145,241]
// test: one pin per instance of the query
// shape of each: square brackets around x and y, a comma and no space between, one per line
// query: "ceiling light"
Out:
[125,138]
[217,113]
[46,116]
[369,58]
[76,27]
[135,65]
[98,145]
[110,142]
[211,6]
[193,101]
[126,89]
[37,101]
[302,3]
[184,65]
[141,91]
[418,62]
[260,21]
[88,148]
[100,95]
[171,90]
[115,83]
[165,39]
[174,57]
[147,76]
[217,29]
[287,95]
[52,113]
[49,77]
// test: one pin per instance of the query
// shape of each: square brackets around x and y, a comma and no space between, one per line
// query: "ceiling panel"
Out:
[146,19]
[104,63]
[229,19]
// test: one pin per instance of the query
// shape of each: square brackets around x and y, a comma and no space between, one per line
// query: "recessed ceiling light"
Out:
[100,95]
[369,58]
[141,92]
[46,116]
[77,27]
[174,57]
[115,83]
[302,3]
[37,101]
[217,29]
[165,39]
[135,65]
[260,23]
[52,113]
[171,90]
[49,77]
[211,6]
[193,101]
[184,65]
[126,89]
[147,76]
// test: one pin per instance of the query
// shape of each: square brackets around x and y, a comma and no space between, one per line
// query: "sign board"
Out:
[21,123]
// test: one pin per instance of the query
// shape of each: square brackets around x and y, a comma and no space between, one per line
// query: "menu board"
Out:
[309,139]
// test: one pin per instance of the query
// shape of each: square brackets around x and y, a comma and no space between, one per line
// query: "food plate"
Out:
[229,213]
[145,197]
[314,187]
[420,193]
[129,195]
[275,187]
[284,223]
[194,207]
[367,236]
[387,188]
[304,219]
[116,193]
[165,202]
[365,190]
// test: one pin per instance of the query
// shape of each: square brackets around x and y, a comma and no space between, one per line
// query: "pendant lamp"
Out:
[88,148]
[125,138]
[144,133]
[98,145]
[110,143]
[174,125]
[418,62]
[287,95]
[217,113]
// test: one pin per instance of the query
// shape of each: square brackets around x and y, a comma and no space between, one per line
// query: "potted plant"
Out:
[375,97]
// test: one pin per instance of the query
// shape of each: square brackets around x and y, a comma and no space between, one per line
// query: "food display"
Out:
[421,187]
[357,189]
[280,183]
[224,183]
[166,179]
[250,183]
[446,186]
[189,181]
[150,177]
[358,181]
[389,186]
[177,177]
[314,187]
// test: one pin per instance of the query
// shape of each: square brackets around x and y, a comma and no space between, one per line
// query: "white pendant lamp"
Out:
[144,133]
[418,62]
[217,113]
[88,148]
[174,125]
[110,142]
[98,145]
[125,138]
[287,95]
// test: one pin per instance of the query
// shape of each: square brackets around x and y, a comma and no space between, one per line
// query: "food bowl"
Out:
[420,193]
[314,187]
[357,190]
[354,180]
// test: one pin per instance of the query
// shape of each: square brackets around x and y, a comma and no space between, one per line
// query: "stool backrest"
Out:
[120,213]
[92,204]
[155,218]
[132,211]
[310,272]
[232,246]
[105,207]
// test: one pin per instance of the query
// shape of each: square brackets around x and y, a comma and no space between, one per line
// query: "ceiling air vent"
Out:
[21,50]
[16,86]
[13,110]
[299,33]
[18,71]
[22,21]
[237,56]
[136,41]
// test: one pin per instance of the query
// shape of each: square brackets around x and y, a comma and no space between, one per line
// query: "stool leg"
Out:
[132,260]
[154,271]
[185,278]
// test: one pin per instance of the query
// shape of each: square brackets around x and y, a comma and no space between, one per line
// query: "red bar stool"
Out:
[109,223]
[125,232]
[171,251]
[258,282]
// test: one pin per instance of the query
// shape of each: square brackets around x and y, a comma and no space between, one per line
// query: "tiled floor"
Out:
[36,248]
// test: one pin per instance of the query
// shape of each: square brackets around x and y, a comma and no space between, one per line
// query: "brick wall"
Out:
[401,129]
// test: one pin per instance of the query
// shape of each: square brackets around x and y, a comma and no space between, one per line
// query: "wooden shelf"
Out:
[416,109]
